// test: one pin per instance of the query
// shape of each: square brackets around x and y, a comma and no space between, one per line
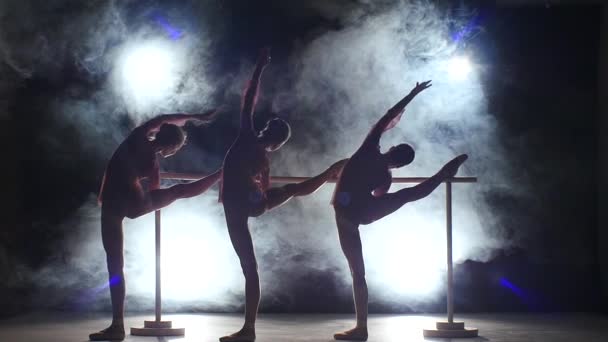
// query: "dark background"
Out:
[544,87]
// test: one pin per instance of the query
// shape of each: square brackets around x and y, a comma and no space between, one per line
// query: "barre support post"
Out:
[158,327]
[450,329]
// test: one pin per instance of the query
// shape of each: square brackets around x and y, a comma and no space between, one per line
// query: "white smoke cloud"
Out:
[332,89]
[353,75]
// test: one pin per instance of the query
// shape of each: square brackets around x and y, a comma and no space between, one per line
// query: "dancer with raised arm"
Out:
[245,190]
[122,195]
[361,197]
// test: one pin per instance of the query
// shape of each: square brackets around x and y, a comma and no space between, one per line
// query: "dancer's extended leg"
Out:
[279,195]
[375,208]
[241,241]
[112,237]
[350,241]
[160,198]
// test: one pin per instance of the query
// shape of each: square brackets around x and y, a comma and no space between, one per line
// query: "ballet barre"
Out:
[289,179]
[449,329]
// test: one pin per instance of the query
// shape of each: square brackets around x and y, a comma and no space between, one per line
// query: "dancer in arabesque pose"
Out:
[245,190]
[123,195]
[361,197]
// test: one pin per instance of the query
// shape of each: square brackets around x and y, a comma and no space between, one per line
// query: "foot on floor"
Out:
[355,334]
[243,335]
[111,333]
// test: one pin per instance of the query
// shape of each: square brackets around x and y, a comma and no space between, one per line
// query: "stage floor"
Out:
[62,327]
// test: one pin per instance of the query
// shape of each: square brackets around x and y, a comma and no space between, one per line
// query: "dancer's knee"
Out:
[357,269]
[116,278]
[115,264]
[358,277]
[250,269]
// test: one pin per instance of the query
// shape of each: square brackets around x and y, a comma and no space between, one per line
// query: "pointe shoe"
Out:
[112,333]
[356,334]
[239,336]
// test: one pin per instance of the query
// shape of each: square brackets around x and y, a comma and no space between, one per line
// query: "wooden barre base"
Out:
[160,328]
[450,330]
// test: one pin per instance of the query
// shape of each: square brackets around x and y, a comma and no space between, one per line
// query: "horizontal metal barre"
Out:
[288,179]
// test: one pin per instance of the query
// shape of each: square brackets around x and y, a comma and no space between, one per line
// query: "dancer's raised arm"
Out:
[392,116]
[251,92]
[179,119]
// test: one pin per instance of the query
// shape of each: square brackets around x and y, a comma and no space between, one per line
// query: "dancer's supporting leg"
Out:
[112,238]
[350,241]
[236,220]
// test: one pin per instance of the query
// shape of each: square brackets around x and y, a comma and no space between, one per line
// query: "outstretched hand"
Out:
[264,56]
[336,168]
[421,86]
[450,169]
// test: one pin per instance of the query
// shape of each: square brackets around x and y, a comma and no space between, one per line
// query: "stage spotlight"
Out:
[148,70]
[459,68]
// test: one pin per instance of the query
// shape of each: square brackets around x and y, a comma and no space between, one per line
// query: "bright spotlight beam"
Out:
[148,71]
[459,68]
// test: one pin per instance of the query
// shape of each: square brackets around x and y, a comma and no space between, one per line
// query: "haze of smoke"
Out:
[199,267]
[344,81]
[336,87]
[36,39]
